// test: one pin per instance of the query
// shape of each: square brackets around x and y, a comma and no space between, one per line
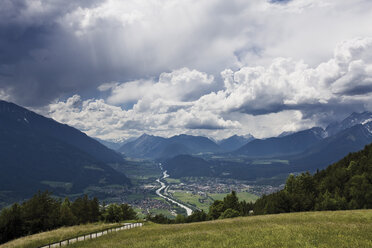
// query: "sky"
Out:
[116,69]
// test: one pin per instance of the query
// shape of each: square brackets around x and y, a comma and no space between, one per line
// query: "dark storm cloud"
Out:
[38,59]
[58,48]
[186,65]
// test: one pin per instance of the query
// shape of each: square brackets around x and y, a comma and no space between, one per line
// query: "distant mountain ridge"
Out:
[285,145]
[351,120]
[38,153]
[306,150]
[333,148]
[111,145]
[234,142]
[154,147]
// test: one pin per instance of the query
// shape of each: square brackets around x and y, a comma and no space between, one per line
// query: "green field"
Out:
[40,239]
[203,202]
[172,180]
[311,229]
[164,212]
[243,196]
[195,200]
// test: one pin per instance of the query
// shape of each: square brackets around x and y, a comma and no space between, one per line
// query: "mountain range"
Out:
[306,150]
[234,142]
[286,144]
[38,153]
[154,147]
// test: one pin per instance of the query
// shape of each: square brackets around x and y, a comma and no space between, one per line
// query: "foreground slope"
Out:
[40,239]
[310,229]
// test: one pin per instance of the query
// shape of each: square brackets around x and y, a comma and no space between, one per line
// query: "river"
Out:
[163,186]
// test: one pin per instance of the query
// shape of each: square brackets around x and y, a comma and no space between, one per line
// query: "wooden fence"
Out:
[92,235]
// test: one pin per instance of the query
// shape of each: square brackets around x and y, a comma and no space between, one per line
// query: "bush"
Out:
[229,213]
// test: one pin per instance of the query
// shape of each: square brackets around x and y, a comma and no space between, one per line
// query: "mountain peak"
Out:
[352,120]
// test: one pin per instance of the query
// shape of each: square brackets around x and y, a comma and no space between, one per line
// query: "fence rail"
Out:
[92,235]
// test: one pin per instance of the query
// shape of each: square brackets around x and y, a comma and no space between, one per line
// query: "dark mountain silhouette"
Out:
[13,113]
[188,166]
[146,146]
[279,146]
[38,153]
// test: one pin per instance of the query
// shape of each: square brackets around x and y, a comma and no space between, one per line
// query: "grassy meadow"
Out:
[40,239]
[309,229]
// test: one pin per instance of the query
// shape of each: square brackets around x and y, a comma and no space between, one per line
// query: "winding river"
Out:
[163,186]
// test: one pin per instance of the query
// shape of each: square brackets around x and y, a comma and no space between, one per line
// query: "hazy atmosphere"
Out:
[116,69]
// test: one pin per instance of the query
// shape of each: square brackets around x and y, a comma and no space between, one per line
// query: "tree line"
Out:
[43,212]
[344,185]
[229,207]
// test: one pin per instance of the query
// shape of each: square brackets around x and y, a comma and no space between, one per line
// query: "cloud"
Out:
[100,119]
[179,85]
[287,84]
[54,49]
[287,95]
[119,68]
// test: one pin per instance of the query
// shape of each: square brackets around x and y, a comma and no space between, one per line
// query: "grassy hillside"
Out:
[308,229]
[40,239]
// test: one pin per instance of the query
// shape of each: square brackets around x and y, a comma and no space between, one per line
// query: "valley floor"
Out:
[310,229]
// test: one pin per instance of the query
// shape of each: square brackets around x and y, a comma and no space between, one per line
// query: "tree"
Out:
[94,210]
[113,213]
[81,208]
[229,213]
[180,219]
[197,216]
[41,213]
[67,218]
[245,208]
[128,212]
[216,209]
[11,223]
[231,201]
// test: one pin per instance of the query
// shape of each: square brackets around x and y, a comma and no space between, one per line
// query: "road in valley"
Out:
[165,187]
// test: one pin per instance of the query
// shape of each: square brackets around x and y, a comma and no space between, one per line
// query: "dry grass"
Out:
[40,239]
[312,229]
